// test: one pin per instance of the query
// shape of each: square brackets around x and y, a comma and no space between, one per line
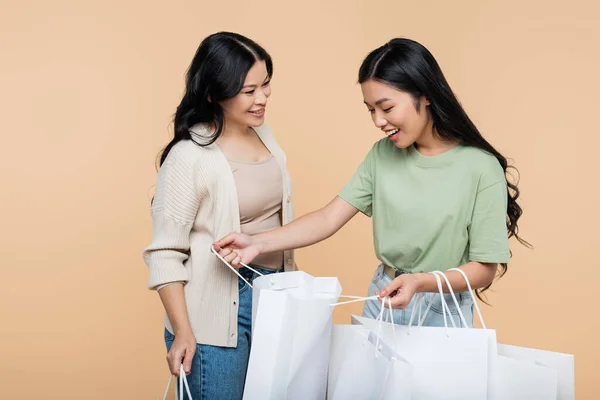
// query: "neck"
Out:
[233,130]
[430,143]
[230,131]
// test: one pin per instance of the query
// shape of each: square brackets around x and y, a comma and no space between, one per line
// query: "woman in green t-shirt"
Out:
[435,189]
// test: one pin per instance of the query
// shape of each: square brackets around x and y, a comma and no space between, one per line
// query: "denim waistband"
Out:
[249,275]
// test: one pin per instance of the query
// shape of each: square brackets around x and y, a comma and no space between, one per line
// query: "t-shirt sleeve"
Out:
[358,192]
[488,236]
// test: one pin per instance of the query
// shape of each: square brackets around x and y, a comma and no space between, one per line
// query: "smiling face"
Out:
[248,107]
[395,113]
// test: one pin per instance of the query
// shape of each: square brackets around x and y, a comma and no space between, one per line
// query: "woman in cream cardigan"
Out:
[222,172]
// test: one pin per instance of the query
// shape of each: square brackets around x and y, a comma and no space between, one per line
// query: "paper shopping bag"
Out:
[364,368]
[522,380]
[562,364]
[448,363]
[291,336]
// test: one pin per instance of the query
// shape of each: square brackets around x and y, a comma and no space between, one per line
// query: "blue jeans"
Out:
[219,373]
[434,317]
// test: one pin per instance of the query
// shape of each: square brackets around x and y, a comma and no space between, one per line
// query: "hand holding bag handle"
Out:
[444,307]
[182,381]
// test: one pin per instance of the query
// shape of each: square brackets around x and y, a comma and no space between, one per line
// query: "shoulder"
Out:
[484,165]
[266,135]
[186,152]
[188,160]
[264,130]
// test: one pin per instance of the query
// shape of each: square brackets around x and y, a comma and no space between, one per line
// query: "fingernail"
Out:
[384,293]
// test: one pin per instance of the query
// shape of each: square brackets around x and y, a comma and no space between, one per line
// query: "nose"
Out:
[261,98]
[379,121]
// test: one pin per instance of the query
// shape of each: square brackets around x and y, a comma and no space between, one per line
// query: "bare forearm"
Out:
[480,275]
[308,229]
[173,300]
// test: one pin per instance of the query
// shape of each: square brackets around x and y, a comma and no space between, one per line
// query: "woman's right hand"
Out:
[237,248]
[183,348]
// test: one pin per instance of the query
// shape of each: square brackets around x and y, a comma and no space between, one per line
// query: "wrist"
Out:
[259,243]
[425,282]
[182,331]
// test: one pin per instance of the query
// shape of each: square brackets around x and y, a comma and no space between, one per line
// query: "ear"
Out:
[209,100]
[425,101]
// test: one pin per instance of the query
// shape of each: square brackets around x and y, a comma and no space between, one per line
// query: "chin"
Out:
[402,144]
[255,122]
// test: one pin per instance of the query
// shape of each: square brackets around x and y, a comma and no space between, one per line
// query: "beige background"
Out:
[87,92]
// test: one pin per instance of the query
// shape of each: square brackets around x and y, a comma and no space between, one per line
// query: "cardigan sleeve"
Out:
[178,195]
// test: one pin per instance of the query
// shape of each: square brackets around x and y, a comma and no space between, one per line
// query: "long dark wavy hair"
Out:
[217,73]
[410,67]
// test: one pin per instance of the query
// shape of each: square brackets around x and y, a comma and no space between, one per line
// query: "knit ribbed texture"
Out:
[196,203]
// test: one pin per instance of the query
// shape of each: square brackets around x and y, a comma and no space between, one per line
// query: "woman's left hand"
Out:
[401,290]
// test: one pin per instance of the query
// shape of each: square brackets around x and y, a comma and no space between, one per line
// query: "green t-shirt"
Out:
[432,213]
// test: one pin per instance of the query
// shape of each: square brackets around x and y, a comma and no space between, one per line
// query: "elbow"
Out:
[165,268]
[328,221]
[488,273]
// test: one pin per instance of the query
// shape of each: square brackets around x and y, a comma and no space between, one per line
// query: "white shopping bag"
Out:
[521,380]
[562,367]
[448,363]
[399,383]
[356,370]
[364,367]
[291,336]
[524,373]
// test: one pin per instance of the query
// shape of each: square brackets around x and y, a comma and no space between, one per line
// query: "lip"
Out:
[257,113]
[393,134]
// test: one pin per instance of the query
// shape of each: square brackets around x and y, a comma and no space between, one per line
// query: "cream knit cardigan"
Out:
[196,203]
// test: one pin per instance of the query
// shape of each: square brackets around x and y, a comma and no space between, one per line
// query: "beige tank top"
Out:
[260,194]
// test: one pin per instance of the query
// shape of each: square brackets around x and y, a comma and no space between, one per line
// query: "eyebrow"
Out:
[378,102]
[253,86]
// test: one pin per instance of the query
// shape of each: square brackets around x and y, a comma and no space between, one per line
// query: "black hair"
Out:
[408,66]
[217,73]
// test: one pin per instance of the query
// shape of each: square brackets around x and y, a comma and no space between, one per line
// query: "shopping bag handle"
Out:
[419,299]
[471,292]
[212,249]
[379,318]
[389,320]
[445,308]
[356,299]
[460,313]
[182,381]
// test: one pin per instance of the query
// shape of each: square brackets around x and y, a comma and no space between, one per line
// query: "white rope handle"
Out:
[418,298]
[357,299]
[391,321]
[444,305]
[212,249]
[182,382]
[460,313]
[421,319]
[380,325]
[379,318]
[472,295]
